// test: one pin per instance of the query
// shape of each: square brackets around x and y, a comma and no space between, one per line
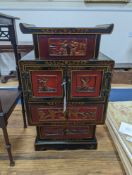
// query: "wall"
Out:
[118,45]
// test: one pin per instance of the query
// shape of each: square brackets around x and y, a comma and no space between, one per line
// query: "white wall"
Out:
[118,45]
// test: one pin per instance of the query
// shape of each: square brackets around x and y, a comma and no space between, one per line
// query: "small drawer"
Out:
[69,132]
[91,113]
[80,132]
[39,114]
[51,132]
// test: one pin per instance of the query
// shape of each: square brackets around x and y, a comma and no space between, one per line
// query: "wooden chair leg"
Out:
[23,112]
[8,146]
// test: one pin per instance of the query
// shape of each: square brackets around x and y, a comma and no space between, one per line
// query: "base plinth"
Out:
[41,145]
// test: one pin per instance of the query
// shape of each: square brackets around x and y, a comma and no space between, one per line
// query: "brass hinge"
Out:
[107,77]
[25,75]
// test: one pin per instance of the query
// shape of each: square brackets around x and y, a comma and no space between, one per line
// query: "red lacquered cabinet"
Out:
[66,86]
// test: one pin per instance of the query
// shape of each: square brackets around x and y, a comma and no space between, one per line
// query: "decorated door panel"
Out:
[63,132]
[47,83]
[42,83]
[92,113]
[86,83]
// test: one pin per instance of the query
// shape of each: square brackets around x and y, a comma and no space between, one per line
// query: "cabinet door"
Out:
[47,83]
[86,83]
[41,81]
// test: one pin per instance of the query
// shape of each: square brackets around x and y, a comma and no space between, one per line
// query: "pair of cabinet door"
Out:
[56,93]
[75,83]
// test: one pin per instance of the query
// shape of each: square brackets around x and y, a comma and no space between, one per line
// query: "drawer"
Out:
[39,114]
[92,113]
[63,132]
[79,132]
[47,132]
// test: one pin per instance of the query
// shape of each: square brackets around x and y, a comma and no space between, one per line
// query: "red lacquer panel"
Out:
[70,132]
[54,132]
[63,47]
[47,83]
[86,83]
[67,47]
[79,132]
[41,114]
[90,113]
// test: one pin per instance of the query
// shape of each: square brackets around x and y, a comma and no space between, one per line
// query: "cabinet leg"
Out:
[8,146]
[23,112]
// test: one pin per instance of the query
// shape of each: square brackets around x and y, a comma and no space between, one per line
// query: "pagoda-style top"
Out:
[99,29]
[66,43]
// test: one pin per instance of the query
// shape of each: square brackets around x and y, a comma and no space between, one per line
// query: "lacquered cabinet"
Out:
[66,87]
